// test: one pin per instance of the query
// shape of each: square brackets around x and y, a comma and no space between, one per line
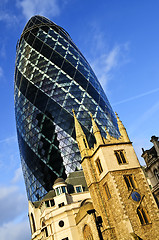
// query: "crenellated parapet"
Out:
[123,134]
[81,139]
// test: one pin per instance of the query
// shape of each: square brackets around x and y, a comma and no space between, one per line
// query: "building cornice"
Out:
[104,145]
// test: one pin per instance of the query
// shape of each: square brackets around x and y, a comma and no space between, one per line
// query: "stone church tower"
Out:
[118,187]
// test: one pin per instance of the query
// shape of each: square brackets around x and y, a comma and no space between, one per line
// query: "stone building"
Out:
[151,158]
[117,185]
[58,214]
[113,201]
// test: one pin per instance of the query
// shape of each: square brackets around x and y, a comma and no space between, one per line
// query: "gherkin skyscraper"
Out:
[52,77]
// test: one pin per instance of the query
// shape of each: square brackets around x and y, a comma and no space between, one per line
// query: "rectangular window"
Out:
[52,202]
[58,191]
[143,215]
[100,169]
[61,204]
[120,155]
[47,204]
[78,189]
[106,188]
[130,182]
[63,189]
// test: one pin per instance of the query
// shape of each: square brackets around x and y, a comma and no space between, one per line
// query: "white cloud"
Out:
[2,2]
[13,203]
[97,40]
[13,199]
[112,59]
[145,116]
[1,72]
[9,139]
[136,97]
[104,58]
[46,7]
[9,156]
[7,191]
[106,63]
[9,18]
[6,14]
[3,50]
[15,231]
[18,175]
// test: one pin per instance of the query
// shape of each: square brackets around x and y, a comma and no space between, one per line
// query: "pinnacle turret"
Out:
[80,137]
[122,129]
[96,132]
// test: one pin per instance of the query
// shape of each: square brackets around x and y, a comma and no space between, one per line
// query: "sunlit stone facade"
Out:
[52,77]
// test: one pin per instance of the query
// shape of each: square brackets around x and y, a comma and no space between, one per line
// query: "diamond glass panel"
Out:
[52,77]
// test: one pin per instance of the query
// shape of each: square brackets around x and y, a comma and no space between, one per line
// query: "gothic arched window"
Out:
[99,166]
[143,215]
[156,173]
[130,182]
[44,230]
[33,223]
[87,233]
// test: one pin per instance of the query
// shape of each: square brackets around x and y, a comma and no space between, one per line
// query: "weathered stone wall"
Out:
[119,213]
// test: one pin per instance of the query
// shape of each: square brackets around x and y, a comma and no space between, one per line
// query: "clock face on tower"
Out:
[136,196]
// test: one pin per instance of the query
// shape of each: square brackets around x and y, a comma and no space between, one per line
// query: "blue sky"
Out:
[120,39]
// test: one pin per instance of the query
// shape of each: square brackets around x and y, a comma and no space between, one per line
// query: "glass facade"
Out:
[52,77]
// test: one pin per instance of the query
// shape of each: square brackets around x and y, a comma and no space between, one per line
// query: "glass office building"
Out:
[52,77]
